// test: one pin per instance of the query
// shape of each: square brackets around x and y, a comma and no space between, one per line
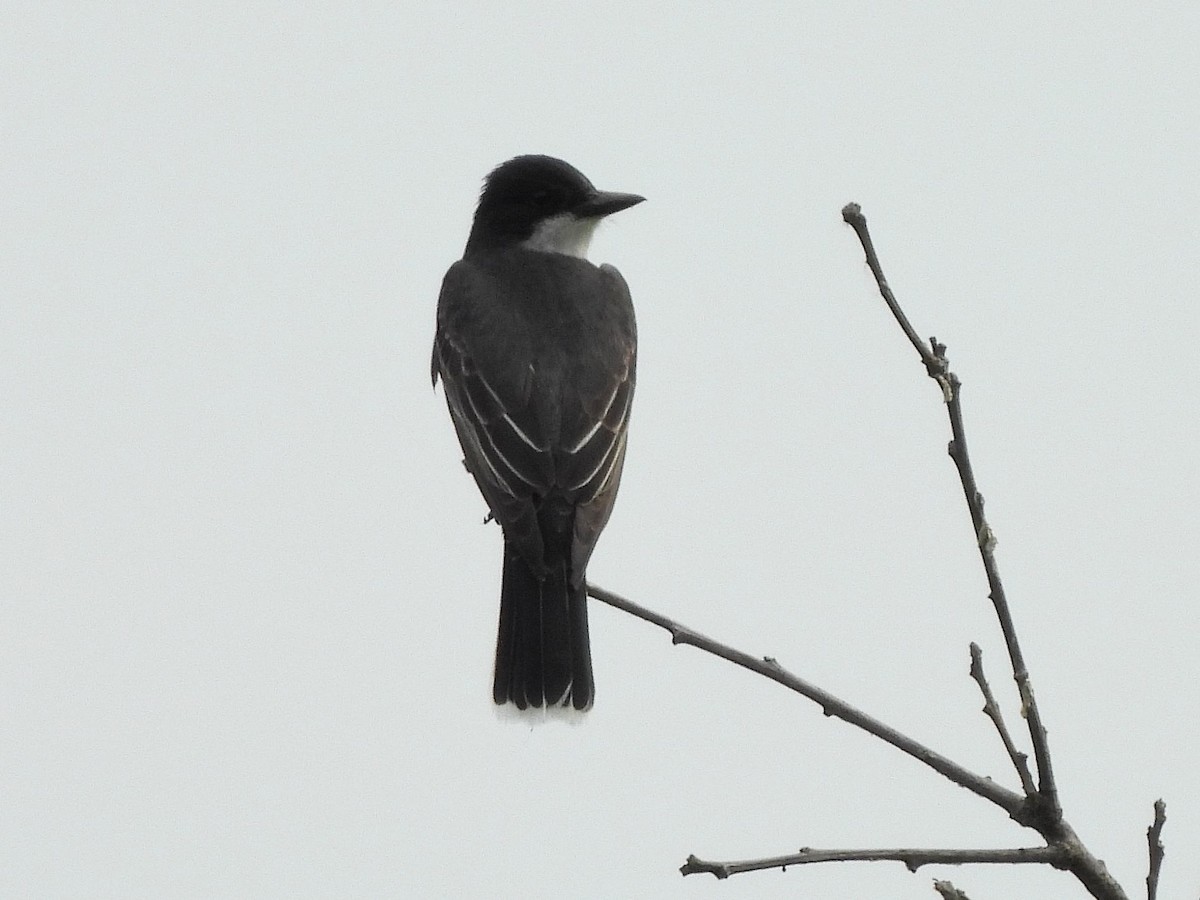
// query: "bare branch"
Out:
[913,859]
[1010,801]
[948,891]
[1047,789]
[1039,807]
[1019,760]
[1044,811]
[938,368]
[852,216]
[1157,851]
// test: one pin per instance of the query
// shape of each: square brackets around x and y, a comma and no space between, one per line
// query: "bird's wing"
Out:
[483,361]
[595,417]
[539,393]
[597,391]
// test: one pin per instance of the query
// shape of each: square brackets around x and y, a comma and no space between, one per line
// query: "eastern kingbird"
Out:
[536,348]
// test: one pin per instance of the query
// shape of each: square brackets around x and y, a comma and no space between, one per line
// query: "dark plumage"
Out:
[537,348]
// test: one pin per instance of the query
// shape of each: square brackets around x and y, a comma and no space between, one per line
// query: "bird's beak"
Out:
[605,203]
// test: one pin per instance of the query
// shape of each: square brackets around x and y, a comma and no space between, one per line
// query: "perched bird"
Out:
[536,348]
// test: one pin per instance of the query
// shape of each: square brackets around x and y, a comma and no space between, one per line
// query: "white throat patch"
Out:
[563,233]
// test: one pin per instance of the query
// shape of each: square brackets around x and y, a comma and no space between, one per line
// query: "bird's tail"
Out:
[543,658]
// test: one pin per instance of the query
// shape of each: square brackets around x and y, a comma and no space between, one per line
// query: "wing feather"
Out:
[537,356]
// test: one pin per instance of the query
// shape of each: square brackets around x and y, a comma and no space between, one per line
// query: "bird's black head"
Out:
[543,204]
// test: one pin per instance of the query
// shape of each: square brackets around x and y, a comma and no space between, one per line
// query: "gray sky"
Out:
[248,609]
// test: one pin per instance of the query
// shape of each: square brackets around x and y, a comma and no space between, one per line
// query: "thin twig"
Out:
[852,215]
[1010,801]
[937,365]
[1047,789]
[913,859]
[1157,851]
[992,710]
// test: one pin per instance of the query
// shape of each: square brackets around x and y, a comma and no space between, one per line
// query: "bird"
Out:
[536,349]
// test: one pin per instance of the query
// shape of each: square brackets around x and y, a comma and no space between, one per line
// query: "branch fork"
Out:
[1036,805]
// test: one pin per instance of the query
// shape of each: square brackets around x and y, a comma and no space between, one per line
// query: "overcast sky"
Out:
[247,604]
